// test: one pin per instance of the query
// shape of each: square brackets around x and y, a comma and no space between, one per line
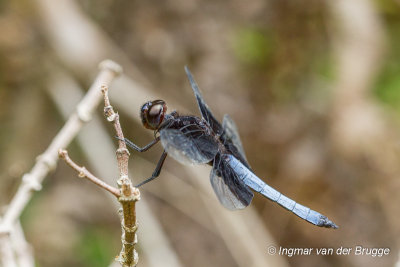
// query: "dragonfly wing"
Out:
[204,109]
[230,190]
[188,149]
[231,135]
[255,183]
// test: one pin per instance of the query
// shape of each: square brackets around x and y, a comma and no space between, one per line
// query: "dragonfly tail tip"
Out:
[325,222]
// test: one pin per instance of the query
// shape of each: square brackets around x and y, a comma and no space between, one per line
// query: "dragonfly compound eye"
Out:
[152,114]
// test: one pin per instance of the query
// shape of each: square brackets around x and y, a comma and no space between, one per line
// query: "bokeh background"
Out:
[313,86]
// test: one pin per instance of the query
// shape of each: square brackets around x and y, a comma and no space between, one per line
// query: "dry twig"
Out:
[156,249]
[7,257]
[32,181]
[46,162]
[127,195]
[22,250]
[84,173]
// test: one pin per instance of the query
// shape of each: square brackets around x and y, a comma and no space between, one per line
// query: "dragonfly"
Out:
[204,140]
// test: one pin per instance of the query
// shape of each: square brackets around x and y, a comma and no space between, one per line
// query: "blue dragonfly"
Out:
[203,140]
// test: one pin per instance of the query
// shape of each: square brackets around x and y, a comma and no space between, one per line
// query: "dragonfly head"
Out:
[152,114]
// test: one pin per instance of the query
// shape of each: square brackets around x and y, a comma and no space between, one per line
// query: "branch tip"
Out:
[84,173]
[111,66]
[104,89]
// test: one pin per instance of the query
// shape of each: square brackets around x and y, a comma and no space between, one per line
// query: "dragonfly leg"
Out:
[157,170]
[141,149]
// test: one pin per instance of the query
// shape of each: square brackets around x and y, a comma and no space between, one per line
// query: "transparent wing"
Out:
[255,183]
[204,109]
[231,134]
[188,149]
[224,194]
[230,190]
